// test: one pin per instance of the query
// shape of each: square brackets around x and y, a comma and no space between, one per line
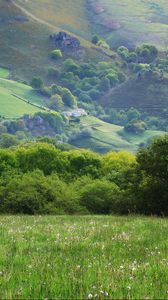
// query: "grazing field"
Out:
[106,136]
[11,105]
[83,257]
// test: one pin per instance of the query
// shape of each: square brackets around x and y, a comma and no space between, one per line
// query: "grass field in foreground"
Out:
[83,257]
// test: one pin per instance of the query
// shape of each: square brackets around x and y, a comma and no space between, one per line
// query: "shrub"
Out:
[56,54]
[56,102]
[36,83]
[100,197]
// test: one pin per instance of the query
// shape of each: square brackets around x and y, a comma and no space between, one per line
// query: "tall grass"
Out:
[92,257]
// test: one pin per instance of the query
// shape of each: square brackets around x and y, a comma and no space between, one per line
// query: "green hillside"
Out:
[147,94]
[107,137]
[131,22]
[14,98]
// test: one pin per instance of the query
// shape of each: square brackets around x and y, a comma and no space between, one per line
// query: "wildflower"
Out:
[129,287]
[90,296]
[1,273]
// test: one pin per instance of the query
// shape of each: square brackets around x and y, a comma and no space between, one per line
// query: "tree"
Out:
[116,165]
[95,39]
[135,127]
[8,140]
[105,84]
[36,83]
[70,65]
[68,98]
[56,102]
[53,72]
[56,54]
[100,197]
[133,114]
[152,178]
[147,53]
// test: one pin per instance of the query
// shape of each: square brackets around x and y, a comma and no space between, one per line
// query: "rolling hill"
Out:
[106,137]
[131,22]
[25,52]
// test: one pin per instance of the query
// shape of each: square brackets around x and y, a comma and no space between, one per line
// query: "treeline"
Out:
[39,178]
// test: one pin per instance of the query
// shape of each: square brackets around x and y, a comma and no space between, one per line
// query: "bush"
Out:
[33,193]
[56,54]
[56,102]
[36,83]
[100,197]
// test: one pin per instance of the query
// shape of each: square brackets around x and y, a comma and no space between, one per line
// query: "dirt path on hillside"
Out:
[53,27]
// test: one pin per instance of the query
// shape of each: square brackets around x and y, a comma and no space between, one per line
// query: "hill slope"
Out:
[106,137]
[130,22]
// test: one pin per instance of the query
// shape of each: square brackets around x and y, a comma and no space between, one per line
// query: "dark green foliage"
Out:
[100,197]
[8,140]
[95,39]
[147,53]
[40,178]
[36,83]
[33,193]
[152,178]
[135,127]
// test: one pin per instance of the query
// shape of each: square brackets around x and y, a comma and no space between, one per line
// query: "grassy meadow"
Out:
[83,257]
[13,107]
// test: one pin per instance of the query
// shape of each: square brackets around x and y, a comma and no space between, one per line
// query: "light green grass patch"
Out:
[83,257]
[12,107]
[4,73]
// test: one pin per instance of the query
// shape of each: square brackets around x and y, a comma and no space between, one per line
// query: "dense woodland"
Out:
[43,178]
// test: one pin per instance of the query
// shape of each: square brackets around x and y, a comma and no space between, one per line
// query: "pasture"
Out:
[106,136]
[83,257]
[10,91]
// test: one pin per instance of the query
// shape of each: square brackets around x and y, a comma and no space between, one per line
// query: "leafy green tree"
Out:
[116,165]
[133,114]
[36,83]
[8,140]
[105,84]
[152,178]
[84,163]
[44,157]
[56,102]
[95,39]
[147,53]
[53,72]
[100,197]
[70,65]
[68,98]
[135,127]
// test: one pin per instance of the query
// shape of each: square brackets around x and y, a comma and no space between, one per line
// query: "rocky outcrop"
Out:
[65,42]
